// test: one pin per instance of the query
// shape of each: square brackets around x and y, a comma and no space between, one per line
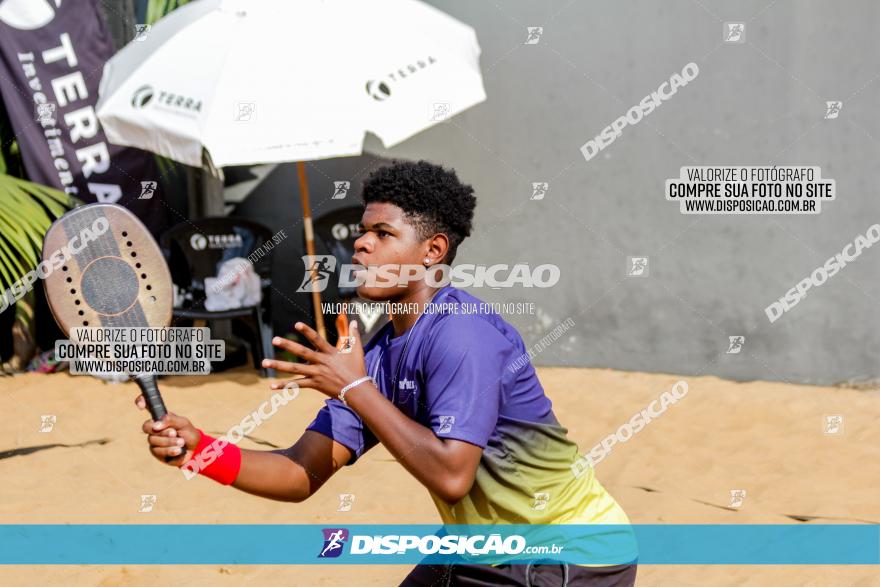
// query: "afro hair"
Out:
[432,198]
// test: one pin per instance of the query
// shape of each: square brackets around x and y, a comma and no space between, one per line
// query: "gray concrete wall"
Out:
[756,103]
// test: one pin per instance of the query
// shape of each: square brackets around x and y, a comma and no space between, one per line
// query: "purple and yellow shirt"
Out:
[464,377]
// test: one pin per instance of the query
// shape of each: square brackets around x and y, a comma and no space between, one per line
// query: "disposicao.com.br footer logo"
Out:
[493,544]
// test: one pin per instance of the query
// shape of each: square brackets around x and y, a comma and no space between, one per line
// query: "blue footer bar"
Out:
[295,544]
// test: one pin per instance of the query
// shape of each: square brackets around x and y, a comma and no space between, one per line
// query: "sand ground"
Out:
[766,438]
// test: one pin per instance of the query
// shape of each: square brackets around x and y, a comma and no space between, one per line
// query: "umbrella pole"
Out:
[310,246]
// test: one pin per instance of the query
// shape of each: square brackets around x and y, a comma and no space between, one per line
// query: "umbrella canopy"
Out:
[264,81]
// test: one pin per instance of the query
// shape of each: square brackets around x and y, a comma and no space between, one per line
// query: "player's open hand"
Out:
[170,438]
[329,369]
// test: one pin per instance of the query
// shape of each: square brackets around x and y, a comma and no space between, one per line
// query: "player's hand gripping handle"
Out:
[151,394]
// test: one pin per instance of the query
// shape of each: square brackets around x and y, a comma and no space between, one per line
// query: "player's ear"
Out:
[438,246]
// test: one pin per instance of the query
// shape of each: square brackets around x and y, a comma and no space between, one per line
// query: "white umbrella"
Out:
[267,81]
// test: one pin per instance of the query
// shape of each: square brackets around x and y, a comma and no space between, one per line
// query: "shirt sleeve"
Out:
[342,424]
[463,372]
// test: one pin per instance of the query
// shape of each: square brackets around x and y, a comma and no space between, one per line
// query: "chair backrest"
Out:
[197,248]
[335,233]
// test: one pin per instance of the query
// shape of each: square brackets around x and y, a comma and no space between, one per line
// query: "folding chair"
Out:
[195,250]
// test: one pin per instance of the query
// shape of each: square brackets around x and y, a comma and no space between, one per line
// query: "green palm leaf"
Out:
[26,211]
[156,9]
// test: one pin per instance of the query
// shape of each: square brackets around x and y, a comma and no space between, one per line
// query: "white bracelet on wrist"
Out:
[354,383]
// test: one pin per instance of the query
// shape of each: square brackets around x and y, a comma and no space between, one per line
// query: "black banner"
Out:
[52,55]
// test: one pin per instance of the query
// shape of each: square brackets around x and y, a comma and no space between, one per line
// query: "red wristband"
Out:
[216,459]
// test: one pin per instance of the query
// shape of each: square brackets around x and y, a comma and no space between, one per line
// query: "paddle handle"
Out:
[151,394]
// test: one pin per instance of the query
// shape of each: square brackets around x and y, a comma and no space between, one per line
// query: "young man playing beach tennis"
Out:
[440,389]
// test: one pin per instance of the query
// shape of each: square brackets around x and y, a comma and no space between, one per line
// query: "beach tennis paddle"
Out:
[114,275]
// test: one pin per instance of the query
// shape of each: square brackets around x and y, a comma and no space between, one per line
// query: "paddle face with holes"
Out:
[114,276]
